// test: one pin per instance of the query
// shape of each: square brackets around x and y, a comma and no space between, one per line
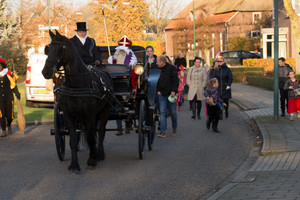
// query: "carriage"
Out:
[138,109]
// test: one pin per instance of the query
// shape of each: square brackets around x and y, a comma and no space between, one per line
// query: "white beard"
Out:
[120,57]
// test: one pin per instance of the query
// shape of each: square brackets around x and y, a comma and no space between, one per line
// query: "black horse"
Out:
[84,98]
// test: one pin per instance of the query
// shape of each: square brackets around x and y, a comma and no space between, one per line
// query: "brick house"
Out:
[227,20]
[286,41]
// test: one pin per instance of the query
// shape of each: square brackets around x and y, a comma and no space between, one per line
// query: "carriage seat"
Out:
[115,70]
[121,75]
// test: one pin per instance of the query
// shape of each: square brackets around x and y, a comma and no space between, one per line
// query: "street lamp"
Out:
[128,3]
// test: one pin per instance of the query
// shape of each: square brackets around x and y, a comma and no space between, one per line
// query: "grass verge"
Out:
[32,114]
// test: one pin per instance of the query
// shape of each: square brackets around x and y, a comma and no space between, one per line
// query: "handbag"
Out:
[297,92]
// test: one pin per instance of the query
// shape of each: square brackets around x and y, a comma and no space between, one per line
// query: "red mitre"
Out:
[3,61]
[125,41]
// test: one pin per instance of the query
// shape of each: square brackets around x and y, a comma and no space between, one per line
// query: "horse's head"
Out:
[56,54]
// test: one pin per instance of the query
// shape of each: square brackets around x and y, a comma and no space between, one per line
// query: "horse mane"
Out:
[67,41]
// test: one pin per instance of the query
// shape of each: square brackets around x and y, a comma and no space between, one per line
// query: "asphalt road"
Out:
[182,167]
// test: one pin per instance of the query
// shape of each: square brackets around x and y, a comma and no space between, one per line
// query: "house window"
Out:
[41,31]
[256,17]
[255,34]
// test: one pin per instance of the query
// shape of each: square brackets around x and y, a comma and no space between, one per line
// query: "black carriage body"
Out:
[121,75]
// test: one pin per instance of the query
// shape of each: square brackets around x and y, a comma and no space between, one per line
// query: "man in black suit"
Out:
[86,46]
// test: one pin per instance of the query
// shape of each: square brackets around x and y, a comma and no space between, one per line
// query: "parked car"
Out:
[236,57]
[35,85]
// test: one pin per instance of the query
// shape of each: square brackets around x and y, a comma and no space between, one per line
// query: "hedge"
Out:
[241,74]
[267,63]
[262,82]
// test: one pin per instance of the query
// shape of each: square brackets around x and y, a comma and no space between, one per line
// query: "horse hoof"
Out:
[91,162]
[74,171]
[90,167]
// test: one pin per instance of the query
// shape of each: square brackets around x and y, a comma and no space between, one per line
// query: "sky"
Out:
[14,3]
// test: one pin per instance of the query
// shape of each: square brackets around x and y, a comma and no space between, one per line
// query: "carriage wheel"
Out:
[60,141]
[152,132]
[141,131]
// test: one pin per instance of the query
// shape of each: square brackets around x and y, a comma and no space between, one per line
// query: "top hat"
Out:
[3,62]
[81,26]
[125,41]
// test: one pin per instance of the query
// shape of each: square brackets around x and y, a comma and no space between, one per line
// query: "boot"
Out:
[9,130]
[198,116]
[215,126]
[3,133]
[208,124]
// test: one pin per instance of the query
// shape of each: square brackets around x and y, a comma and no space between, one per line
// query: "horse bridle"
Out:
[57,63]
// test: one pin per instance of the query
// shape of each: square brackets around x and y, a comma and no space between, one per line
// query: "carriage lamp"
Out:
[139,69]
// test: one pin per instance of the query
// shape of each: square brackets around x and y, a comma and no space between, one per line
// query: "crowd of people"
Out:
[201,85]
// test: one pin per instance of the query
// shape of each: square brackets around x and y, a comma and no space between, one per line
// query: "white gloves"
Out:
[227,87]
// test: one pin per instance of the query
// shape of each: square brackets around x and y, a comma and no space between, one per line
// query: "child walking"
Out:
[212,100]
[182,82]
[293,99]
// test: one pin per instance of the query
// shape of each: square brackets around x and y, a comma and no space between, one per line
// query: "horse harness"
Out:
[99,90]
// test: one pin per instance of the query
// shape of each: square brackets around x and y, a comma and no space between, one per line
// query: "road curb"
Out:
[34,123]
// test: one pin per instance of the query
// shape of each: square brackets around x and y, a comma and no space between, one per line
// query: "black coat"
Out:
[224,76]
[88,52]
[168,81]
[6,93]
[153,65]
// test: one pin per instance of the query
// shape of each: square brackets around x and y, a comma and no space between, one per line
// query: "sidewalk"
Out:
[276,173]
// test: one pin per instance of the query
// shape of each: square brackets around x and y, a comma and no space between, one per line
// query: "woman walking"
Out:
[196,80]
[224,76]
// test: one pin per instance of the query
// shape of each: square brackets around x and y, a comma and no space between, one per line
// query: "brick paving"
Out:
[276,173]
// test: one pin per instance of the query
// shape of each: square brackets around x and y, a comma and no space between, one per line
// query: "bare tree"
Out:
[161,11]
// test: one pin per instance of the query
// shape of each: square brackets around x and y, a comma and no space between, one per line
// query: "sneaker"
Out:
[216,131]
[119,133]
[282,114]
[291,118]
[162,135]
[3,134]
[174,133]
[127,130]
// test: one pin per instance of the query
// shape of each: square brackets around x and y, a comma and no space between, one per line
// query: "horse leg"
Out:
[74,167]
[101,135]
[91,140]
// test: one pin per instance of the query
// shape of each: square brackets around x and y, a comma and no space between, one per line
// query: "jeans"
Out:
[163,103]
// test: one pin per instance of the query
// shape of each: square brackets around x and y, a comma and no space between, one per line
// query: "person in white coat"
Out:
[196,80]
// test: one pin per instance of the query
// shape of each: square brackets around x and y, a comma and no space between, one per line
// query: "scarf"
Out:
[82,40]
